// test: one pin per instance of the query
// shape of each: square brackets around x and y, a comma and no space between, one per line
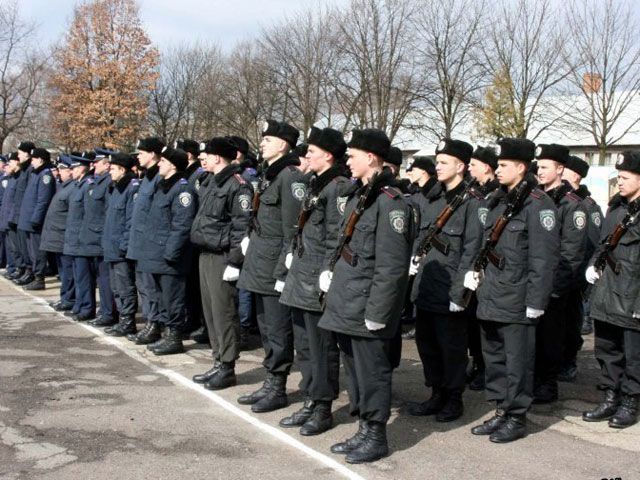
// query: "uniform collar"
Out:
[41,168]
[166,184]
[124,182]
[289,160]
[582,191]
[451,194]
[560,191]
[192,168]
[151,172]
[226,173]
[318,182]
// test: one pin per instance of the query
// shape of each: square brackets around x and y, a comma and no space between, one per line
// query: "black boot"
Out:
[126,326]
[514,428]
[431,406]
[298,418]
[25,279]
[244,343]
[476,382]
[587,326]
[148,335]
[170,344]
[254,397]
[103,322]
[62,307]
[36,284]
[491,425]
[200,335]
[373,447]
[453,409]
[320,420]
[275,398]
[627,413]
[17,273]
[545,392]
[206,376]
[605,410]
[352,443]
[224,377]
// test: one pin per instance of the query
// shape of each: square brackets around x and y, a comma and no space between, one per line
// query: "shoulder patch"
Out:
[135,195]
[5,183]
[135,182]
[476,194]
[596,219]
[46,179]
[341,204]
[239,178]
[391,192]
[185,199]
[482,215]
[298,190]
[547,219]
[245,202]
[573,197]
[579,220]
[183,181]
[398,220]
[536,193]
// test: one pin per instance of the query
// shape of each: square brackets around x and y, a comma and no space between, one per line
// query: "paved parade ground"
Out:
[76,404]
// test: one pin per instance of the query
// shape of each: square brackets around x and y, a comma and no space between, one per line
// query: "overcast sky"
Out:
[169,22]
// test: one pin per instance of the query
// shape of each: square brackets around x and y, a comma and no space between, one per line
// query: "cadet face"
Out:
[166,168]
[360,162]
[23,156]
[572,177]
[478,169]
[208,162]
[12,166]
[629,184]
[101,166]
[36,162]
[145,159]
[549,171]
[318,159]
[510,172]
[447,167]
[65,174]
[272,147]
[78,172]
[116,172]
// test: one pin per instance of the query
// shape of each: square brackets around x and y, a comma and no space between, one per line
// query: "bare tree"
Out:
[525,45]
[22,71]
[605,59]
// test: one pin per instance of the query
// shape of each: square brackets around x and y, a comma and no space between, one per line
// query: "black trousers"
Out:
[122,276]
[509,355]
[149,301]
[473,334]
[195,315]
[170,292]
[276,329]
[441,339]
[37,257]
[369,372]
[14,245]
[23,247]
[219,307]
[617,350]
[321,371]
[574,313]
[67,286]
[550,334]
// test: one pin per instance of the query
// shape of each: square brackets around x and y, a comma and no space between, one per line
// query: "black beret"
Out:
[220,146]
[123,159]
[486,155]
[629,161]
[520,149]
[240,143]
[41,153]
[552,151]
[577,165]
[26,147]
[395,156]
[288,133]
[426,163]
[188,145]
[456,148]
[177,157]
[329,140]
[301,149]
[13,156]
[151,144]
[370,140]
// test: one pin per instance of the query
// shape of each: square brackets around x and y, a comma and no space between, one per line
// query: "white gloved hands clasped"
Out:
[230,274]
[288,260]
[414,264]
[325,280]
[534,312]
[279,286]
[244,245]
[592,275]
[373,326]
[454,307]
[472,280]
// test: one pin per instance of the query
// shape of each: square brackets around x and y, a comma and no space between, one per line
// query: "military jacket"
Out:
[21,186]
[530,246]
[139,217]
[9,188]
[326,200]
[41,186]
[282,190]
[95,208]
[117,222]
[594,224]
[4,183]
[440,277]
[166,246]
[75,216]
[372,287]
[55,222]
[615,298]
[195,174]
[224,213]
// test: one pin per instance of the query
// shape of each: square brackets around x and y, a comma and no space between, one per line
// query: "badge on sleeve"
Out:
[595,218]
[341,204]
[298,190]
[547,219]
[579,220]
[135,195]
[185,199]
[197,185]
[397,219]
[5,183]
[46,179]
[245,202]
[482,215]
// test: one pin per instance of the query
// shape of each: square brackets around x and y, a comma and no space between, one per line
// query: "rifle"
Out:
[343,250]
[432,239]
[488,253]
[263,184]
[308,205]
[606,256]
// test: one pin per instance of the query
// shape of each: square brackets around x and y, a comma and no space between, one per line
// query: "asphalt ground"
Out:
[76,404]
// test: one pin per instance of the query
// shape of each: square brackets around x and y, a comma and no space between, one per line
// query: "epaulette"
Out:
[134,182]
[91,180]
[572,196]
[476,194]
[590,200]
[183,181]
[537,193]
[391,192]
[239,178]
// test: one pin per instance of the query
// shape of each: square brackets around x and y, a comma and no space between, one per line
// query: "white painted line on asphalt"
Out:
[177,378]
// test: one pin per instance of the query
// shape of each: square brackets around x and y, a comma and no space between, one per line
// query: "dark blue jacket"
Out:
[117,222]
[194,175]
[167,249]
[55,222]
[41,187]
[75,216]
[140,217]
[4,182]
[21,186]
[95,207]
[7,200]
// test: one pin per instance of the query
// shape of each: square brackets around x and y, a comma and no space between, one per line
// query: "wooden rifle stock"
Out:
[606,257]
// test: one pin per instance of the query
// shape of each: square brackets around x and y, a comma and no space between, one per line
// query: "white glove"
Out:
[454,307]
[325,280]
[230,274]
[592,275]
[279,286]
[413,266]
[288,260]
[373,326]
[534,312]
[472,280]
[244,245]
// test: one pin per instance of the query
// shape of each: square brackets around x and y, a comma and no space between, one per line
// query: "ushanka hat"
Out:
[486,155]
[370,140]
[176,156]
[519,149]
[151,144]
[222,146]
[188,145]
[578,165]
[552,151]
[629,161]
[282,130]
[329,140]
[424,162]
[123,159]
[456,148]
